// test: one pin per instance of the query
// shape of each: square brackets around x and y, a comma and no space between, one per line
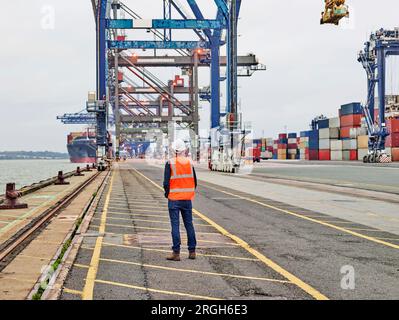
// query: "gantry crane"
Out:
[334,11]
[381,45]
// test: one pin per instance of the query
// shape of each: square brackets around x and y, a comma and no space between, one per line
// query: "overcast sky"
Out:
[312,69]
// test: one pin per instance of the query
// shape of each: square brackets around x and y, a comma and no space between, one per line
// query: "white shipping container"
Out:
[355,132]
[336,145]
[388,151]
[292,140]
[361,153]
[291,151]
[335,122]
[350,144]
[329,133]
[324,144]
[336,155]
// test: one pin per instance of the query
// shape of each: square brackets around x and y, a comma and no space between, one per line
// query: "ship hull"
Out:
[82,150]
[83,160]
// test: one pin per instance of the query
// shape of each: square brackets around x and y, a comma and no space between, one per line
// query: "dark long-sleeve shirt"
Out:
[166,179]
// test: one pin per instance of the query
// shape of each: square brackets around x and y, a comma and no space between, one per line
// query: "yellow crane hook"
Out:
[335,10]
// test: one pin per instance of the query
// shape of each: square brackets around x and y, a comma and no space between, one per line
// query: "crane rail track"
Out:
[22,237]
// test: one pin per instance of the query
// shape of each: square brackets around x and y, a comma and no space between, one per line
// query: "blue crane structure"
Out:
[78,118]
[113,51]
[381,45]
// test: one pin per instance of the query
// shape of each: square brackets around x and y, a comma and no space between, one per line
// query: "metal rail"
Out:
[25,233]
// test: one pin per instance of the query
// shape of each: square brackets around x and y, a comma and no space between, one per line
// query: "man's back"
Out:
[180,179]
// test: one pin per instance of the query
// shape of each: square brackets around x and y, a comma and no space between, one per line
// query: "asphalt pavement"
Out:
[251,246]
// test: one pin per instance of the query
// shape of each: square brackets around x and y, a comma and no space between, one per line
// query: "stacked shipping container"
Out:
[282,146]
[292,147]
[392,142]
[351,118]
[341,138]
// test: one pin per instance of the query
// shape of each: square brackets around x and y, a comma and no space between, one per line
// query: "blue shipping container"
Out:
[351,108]
[314,140]
[292,135]
[323,124]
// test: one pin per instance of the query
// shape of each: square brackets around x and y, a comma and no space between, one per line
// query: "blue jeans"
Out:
[185,207]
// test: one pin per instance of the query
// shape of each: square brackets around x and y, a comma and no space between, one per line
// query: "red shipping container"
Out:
[282,136]
[313,154]
[353,155]
[345,132]
[351,120]
[292,146]
[395,154]
[393,125]
[282,146]
[392,140]
[325,155]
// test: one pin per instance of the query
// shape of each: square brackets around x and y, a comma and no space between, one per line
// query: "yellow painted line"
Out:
[168,251]
[311,216]
[342,229]
[194,271]
[164,216]
[74,292]
[173,293]
[144,210]
[82,266]
[149,228]
[339,222]
[153,221]
[301,284]
[137,210]
[198,240]
[142,215]
[168,235]
[134,206]
[88,289]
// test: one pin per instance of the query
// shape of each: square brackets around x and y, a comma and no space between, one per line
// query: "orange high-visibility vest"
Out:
[182,183]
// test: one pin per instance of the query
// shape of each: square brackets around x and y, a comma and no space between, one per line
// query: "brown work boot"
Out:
[173,257]
[192,255]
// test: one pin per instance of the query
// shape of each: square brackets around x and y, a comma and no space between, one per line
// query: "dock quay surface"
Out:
[259,237]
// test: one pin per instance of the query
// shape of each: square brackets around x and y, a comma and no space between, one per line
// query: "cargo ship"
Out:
[82,147]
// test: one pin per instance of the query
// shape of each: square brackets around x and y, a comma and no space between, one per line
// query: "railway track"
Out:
[15,244]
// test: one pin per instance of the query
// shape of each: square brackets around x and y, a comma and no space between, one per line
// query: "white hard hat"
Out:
[179,146]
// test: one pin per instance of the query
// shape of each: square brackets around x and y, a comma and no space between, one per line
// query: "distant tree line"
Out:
[16,155]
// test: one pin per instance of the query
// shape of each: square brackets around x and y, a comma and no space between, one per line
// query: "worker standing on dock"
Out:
[180,182]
